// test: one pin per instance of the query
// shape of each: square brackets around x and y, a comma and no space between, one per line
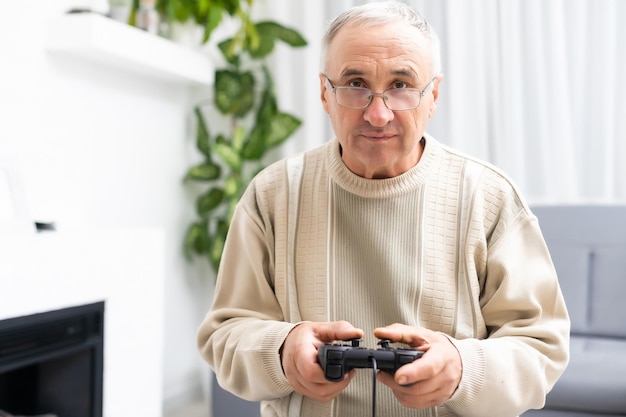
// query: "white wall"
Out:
[102,148]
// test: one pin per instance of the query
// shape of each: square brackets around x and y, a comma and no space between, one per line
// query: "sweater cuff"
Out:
[270,355]
[473,362]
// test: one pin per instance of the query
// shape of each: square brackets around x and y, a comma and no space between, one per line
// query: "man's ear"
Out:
[435,92]
[323,91]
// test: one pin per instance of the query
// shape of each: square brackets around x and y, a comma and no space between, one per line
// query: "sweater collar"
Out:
[381,188]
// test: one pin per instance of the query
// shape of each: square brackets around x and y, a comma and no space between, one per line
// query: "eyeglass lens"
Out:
[395,99]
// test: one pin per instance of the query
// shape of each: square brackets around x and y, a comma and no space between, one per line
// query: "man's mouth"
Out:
[378,136]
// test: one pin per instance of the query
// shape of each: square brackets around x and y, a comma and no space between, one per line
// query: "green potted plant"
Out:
[231,161]
[244,100]
[206,14]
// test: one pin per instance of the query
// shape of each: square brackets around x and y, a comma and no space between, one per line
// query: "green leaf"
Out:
[234,92]
[132,16]
[206,171]
[231,48]
[228,155]
[290,36]
[209,201]
[232,6]
[232,205]
[268,134]
[246,98]
[203,7]
[251,38]
[176,11]
[202,134]
[271,128]
[269,32]
[196,239]
[238,137]
[231,188]
[266,39]
[254,148]
[281,127]
[221,139]
[217,243]
[228,49]
[214,17]
[269,105]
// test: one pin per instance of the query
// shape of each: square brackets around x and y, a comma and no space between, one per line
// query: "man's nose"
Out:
[377,113]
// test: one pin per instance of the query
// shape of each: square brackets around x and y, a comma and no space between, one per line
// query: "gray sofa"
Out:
[588,247]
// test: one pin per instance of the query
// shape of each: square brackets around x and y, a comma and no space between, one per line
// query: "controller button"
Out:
[334,355]
[333,372]
[404,359]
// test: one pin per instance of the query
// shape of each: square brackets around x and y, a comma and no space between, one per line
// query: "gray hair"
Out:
[378,13]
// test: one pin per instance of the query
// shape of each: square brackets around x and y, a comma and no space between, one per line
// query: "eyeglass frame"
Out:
[373,94]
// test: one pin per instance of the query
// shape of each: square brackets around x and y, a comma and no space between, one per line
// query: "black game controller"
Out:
[338,359]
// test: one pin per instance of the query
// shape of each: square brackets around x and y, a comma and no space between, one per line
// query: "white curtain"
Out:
[535,87]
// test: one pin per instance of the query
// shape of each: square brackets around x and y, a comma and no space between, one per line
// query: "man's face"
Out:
[377,142]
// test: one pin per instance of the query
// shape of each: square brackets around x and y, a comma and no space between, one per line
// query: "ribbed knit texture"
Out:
[376,239]
[375,264]
[312,241]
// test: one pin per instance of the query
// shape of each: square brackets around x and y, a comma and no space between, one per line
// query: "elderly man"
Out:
[385,233]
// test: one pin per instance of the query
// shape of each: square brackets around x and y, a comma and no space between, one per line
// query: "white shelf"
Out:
[107,42]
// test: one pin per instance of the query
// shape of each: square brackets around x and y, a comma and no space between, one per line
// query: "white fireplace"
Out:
[48,271]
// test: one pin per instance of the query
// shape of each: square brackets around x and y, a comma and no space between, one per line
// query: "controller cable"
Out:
[374,372]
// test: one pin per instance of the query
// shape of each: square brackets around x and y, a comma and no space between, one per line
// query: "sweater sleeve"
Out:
[526,349]
[241,335]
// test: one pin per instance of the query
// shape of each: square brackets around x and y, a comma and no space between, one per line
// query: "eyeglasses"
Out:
[394,98]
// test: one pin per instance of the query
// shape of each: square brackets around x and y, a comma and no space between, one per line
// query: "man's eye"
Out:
[400,84]
[358,84]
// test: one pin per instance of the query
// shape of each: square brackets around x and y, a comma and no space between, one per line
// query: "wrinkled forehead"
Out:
[379,49]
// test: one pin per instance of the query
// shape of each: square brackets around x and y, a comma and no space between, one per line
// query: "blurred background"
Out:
[96,140]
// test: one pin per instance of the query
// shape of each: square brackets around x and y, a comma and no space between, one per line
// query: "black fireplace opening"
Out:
[52,363]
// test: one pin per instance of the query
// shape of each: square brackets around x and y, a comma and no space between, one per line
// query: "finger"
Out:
[400,333]
[438,370]
[326,390]
[391,380]
[387,379]
[412,373]
[337,330]
[424,400]
[432,363]
[421,394]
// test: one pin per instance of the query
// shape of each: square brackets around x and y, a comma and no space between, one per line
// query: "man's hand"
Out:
[429,381]
[299,358]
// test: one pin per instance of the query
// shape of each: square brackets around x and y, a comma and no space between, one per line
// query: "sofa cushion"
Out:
[588,247]
[593,281]
[595,380]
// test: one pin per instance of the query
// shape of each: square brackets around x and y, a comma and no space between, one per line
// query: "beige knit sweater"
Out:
[450,245]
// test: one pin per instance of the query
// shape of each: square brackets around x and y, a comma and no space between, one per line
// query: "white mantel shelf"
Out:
[105,41]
